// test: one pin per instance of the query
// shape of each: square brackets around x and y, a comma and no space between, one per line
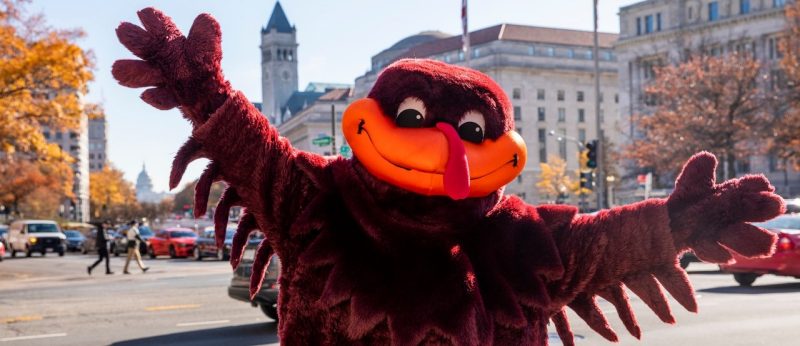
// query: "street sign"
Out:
[322,141]
[345,151]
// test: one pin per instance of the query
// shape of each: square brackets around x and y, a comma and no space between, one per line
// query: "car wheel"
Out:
[61,253]
[13,252]
[197,255]
[172,253]
[745,279]
[152,253]
[270,310]
[27,251]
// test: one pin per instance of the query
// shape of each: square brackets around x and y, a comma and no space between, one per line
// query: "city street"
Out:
[51,301]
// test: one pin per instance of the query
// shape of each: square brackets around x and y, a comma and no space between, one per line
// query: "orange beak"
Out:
[430,161]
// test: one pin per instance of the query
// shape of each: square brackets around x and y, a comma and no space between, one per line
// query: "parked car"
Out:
[120,241]
[90,243]
[31,236]
[267,297]
[175,242]
[74,240]
[2,251]
[206,245]
[785,261]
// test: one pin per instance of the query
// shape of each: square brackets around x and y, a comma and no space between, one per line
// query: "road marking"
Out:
[31,337]
[171,307]
[203,323]
[21,319]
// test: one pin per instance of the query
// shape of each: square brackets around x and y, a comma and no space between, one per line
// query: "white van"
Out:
[30,236]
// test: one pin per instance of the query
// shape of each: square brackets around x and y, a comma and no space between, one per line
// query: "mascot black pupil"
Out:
[471,132]
[409,118]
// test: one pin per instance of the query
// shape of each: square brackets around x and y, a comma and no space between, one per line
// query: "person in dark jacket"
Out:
[102,248]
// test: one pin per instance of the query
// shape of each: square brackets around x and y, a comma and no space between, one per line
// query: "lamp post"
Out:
[333,129]
[610,180]
[600,145]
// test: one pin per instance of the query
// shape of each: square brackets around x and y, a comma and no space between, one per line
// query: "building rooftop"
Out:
[278,21]
[513,32]
[339,94]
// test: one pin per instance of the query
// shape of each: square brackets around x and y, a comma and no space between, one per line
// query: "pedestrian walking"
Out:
[133,247]
[101,244]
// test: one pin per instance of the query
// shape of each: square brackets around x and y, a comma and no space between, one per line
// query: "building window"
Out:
[616,98]
[582,135]
[560,95]
[778,3]
[562,144]
[602,116]
[648,24]
[589,54]
[600,97]
[476,52]
[540,94]
[73,135]
[91,156]
[774,165]
[580,96]
[658,21]
[744,6]
[517,113]
[581,115]
[774,48]
[607,55]
[59,135]
[542,145]
[516,93]
[541,114]
[562,115]
[550,51]
[713,11]
[691,13]
[47,135]
[531,50]
[638,26]
[461,56]
[570,53]
[447,58]
[519,179]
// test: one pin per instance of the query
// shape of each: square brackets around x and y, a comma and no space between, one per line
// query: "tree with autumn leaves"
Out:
[712,103]
[786,135]
[42,77]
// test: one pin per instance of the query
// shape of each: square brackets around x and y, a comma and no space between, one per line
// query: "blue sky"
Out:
[337,40]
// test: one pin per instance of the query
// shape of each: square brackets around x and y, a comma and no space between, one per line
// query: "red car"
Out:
[2,251]
[175,242]
[785,261]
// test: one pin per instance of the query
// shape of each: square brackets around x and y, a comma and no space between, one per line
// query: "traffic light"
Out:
[591,154]
[586,181]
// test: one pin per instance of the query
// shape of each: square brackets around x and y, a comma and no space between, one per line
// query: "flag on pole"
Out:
[465,31]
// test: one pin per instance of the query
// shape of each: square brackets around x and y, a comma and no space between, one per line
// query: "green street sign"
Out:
[322,141]
[346,151]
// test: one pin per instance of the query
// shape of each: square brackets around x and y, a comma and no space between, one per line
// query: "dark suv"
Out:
[267,298]
[119,244]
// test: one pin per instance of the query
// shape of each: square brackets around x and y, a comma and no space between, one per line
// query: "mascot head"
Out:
[436,129]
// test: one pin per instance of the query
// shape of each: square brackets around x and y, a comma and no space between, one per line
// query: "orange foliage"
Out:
[707,103]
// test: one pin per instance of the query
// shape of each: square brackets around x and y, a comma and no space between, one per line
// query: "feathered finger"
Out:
[136,73]
[247,224]
[204,43]
[260,263]
[748,240]
[159,98]
[158,24]
[203,188]
[137,40]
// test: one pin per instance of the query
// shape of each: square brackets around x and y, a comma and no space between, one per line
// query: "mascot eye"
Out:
[470,128]
[410,113]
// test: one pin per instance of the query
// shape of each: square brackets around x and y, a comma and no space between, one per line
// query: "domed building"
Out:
[144,188]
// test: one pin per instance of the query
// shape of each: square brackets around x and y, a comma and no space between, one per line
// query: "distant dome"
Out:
[414,40]
[143,182]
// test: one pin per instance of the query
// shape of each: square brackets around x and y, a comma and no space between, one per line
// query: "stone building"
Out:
[75,143]
[657,32]
[98,144]
[548,75]
[144,188]
[310,128]
[278,64]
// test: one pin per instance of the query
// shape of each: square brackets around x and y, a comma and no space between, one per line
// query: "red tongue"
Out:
[456,172]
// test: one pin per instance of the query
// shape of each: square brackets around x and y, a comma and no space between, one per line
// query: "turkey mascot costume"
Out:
[412,241]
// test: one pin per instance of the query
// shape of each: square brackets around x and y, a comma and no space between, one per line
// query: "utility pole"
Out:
[333,129]
[600,181]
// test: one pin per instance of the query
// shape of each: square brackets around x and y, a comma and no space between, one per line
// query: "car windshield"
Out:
[72,234]
[145,231]
[42,228]
[182,234]
[781,222]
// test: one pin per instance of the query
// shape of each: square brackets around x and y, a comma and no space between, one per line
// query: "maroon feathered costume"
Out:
[367,262]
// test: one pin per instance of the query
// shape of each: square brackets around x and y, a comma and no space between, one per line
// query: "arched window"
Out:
[279,56]
[291,56]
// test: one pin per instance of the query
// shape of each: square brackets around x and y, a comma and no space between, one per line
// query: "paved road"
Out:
[47,301]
